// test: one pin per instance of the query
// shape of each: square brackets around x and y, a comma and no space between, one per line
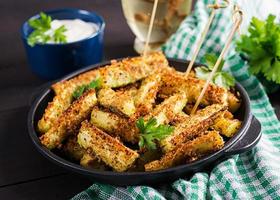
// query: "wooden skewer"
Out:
[228,42]
[150,28]
[204,33]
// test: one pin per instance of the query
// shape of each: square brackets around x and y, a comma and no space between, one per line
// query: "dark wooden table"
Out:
[24,173]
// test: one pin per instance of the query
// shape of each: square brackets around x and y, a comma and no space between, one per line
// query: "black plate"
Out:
[246,138]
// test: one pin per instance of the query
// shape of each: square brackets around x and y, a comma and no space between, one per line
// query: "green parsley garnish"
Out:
[96,84]
[221,78]
[261,46]
[40,33]
[150,132]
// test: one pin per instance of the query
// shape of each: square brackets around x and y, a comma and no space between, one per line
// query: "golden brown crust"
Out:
[110,150]
[133,88]
[90,161]
[117,74]
[191,150]
[69,121]
[163,113]
[193,127]
[146,95]
[72,149]
[175,82]
[111,123]
[226,124]
[119,102]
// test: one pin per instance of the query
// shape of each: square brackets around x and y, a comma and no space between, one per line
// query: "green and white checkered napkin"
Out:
[251,175]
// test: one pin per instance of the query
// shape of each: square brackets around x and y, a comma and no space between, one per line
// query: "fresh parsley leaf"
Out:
[79,91]
[261,47]
[221,78]
[150,132]
[211,59]
[41,32]
[202,72]
[43,23]
[96,84]
[58,35]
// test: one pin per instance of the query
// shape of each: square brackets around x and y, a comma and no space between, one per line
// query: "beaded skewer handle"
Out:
[205,31]
[237,17]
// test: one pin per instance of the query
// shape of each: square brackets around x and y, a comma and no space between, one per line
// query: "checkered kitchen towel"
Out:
[251,175]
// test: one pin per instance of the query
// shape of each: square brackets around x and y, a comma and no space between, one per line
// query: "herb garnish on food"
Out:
[262,48]
[96,84]
[221,78]
[41,32]
[149,132]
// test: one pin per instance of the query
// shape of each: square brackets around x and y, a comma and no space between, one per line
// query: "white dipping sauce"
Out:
[76,29]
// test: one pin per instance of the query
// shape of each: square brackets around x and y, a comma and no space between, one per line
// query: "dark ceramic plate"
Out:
[246,138]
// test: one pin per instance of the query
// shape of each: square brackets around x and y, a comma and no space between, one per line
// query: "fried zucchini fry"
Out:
[169,108]
[52,112]
[191,150]
[192,127]
[69,122]
[110,150]
[234,102]
[75,152]
[110,123]
[146,95]
[163,113]
[117,74]
[92,162]
[72,149]
[174,82]
[119,102]
[106,120]
[226,124]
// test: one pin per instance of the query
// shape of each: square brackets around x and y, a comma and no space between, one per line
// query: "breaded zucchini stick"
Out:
[69,121]
[192,127]
[191,150]
[117,74]
[226,125]
[163,113]
[234,102]
[110,122]
[174,82]
[72,149]
[52,112]
[75,152]
[92,162]
[146,95]
[110,150]
[119,102]
[169,108]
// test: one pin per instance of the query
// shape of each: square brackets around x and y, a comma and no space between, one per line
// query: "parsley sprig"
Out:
[150,132]
[96,84]
[221,78]
[261,46]
[41,32]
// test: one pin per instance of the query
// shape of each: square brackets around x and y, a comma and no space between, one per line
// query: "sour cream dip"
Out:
[75,29]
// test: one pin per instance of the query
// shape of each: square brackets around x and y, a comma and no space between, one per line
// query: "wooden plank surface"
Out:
[63,186]
[24,173]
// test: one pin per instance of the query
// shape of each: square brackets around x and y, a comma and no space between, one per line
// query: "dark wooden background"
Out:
[24,173]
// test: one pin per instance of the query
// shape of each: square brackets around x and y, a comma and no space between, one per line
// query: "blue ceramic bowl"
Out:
[51,61]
